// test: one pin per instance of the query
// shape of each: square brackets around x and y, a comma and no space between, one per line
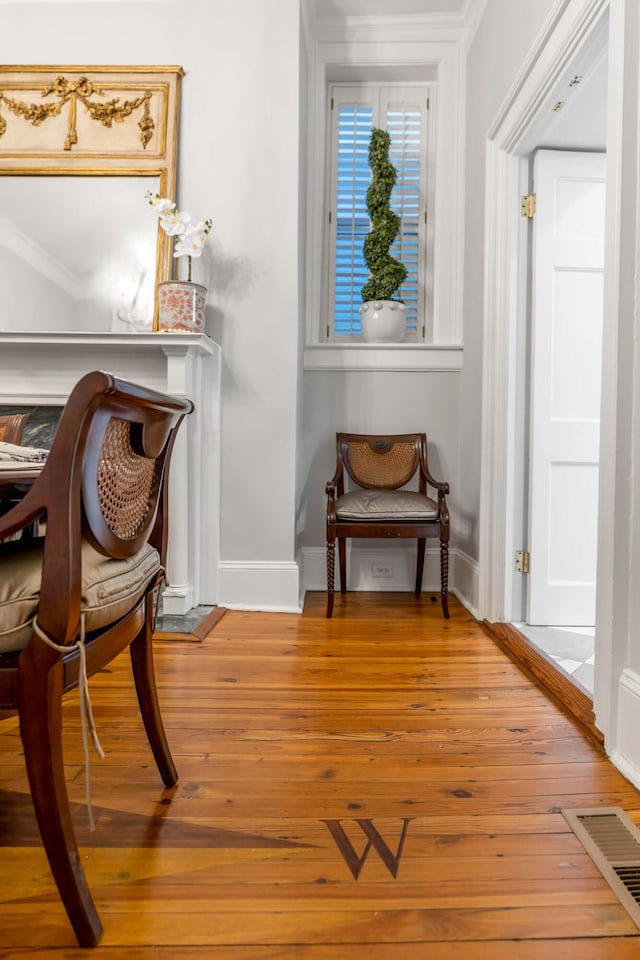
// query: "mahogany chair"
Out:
[12,427]
[89,582]
[382,470]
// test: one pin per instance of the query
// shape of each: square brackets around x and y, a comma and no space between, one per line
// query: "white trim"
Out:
[566,28]
[496,353]
[465,577]
[407,357]
[563,33]
[473,12]
[627,767]
[612,601]
[360,561]
[259,585]
[405,50]
[424,27]
[627,723]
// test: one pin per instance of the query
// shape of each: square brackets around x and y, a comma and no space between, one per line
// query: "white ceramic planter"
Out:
[383,321]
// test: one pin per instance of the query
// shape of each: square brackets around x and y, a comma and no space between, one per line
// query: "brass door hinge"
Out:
[522,561]
[528,206]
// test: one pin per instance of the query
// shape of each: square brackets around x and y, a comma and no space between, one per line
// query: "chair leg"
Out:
[331,564]
[40,699]
[444,577]
[342,555]
[141,650]
[420,564]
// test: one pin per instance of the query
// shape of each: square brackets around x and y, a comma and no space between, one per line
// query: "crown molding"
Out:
[400,28]
[472,13]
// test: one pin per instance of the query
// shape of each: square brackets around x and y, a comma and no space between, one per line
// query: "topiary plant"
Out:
[385,272]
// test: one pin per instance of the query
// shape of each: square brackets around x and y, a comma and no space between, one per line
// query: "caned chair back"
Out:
[381,462]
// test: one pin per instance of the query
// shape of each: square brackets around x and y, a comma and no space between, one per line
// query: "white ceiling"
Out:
[373,8]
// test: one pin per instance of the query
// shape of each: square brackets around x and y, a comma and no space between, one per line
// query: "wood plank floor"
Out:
[382,786]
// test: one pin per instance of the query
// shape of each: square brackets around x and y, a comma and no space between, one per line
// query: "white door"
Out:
[567,274]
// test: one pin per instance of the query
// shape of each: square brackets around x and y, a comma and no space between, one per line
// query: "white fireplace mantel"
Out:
[42,368]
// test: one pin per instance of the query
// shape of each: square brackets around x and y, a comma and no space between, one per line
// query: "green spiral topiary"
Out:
[385,272]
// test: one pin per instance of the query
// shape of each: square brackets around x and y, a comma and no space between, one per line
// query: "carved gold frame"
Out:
[93,121]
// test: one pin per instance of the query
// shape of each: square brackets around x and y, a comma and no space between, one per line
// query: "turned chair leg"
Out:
[444,577]
[331,563]
[41,731]
[342,555]
[141,650]
[420,564]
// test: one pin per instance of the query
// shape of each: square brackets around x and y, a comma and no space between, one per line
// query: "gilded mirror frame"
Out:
[93,121]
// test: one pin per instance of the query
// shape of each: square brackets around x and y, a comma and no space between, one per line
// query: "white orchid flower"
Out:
[190,238]
[175,222]
[160,204]
[188,245]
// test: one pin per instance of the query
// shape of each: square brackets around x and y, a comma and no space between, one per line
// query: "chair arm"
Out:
[330,490]
[440,485]
[23,513]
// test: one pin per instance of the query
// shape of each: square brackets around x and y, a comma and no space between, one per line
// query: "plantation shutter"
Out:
[406,124]
[402,112]
[353,120]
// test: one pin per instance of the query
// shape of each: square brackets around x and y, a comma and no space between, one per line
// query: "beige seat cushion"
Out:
[110,588]
[381,505]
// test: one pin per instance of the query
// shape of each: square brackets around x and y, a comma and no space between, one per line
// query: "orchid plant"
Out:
[190,238]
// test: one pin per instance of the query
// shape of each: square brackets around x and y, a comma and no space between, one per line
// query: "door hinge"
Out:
[528,205]
[522,561]
[329,216]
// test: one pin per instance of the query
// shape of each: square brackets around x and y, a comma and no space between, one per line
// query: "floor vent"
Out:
[612,841]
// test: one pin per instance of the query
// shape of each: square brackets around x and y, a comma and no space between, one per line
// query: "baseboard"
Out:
[463,571]
[281,586]
[268,586]
[626,753]
[465,580]
[572,699]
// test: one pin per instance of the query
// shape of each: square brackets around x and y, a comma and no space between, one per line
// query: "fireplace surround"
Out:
[40,369]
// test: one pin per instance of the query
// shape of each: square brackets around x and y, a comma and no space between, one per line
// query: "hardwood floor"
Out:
[385,785]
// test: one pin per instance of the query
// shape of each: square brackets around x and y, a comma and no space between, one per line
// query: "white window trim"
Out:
[423,93]
[446,217]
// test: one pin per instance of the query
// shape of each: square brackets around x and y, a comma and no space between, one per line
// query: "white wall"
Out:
[238,164]
[374,402]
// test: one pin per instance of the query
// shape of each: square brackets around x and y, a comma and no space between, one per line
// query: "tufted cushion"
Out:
[385,505]
[110,588]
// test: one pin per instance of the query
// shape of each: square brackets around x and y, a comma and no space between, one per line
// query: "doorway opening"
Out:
[560,362]
[565,51]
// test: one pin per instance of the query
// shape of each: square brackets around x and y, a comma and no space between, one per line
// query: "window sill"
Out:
[383,356]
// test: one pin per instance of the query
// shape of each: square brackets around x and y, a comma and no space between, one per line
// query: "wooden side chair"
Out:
[12,427]
[382,469]
[82,593]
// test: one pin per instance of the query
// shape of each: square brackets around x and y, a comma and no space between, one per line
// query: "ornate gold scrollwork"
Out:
[70,92]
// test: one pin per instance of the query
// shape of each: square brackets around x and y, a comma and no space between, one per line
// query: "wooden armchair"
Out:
[12,427]
[382,505]
[88,582]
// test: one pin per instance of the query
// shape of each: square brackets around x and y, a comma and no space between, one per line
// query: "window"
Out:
[403,112]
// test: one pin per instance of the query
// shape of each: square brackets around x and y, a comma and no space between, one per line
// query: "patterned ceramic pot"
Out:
[181,306]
